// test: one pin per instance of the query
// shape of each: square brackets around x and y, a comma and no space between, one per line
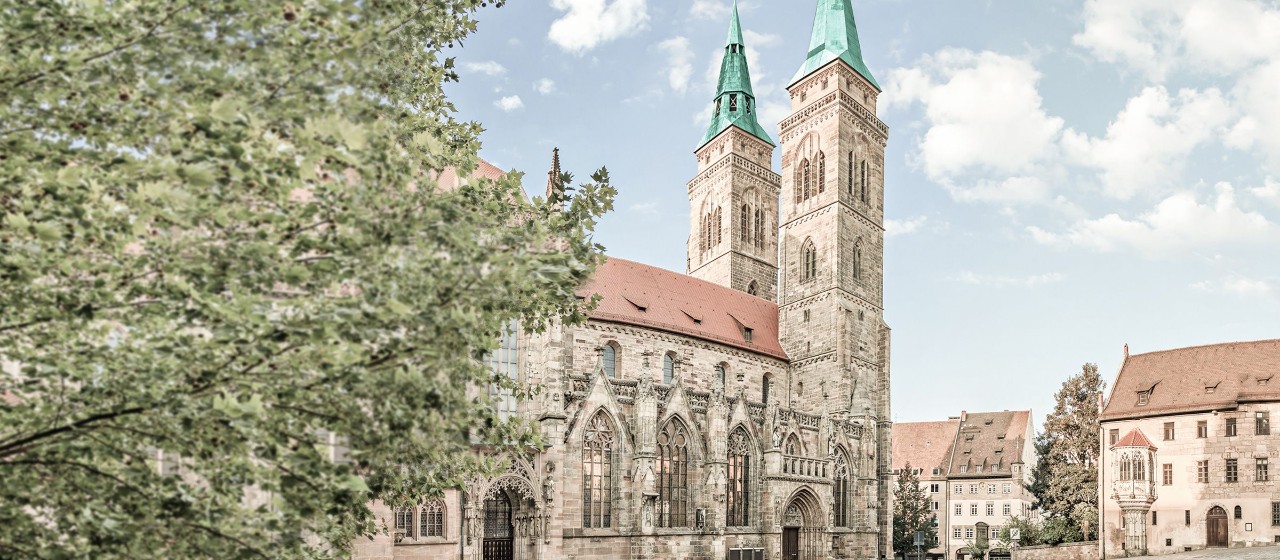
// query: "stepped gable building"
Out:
[975,468]
[740,410]
[1189,456]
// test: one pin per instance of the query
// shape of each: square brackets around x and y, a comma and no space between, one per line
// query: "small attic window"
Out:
[1001,436]
[1263,380]
[695,320]
[746,333]
[999,451]
[1144,397]
[968,437]
[988,422]
[964,468]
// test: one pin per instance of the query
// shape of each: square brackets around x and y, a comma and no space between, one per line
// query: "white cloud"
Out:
[649,209]
[679,62]
[976,279]
[894,228]
[1248,288]
[488,68]
[545,86]
[1019,189]
[1156,37]
[709,9]
[587,24]
[983,109]
[510,103]
[1258,97]
[1148,143]
[1177,225]
[1269,191]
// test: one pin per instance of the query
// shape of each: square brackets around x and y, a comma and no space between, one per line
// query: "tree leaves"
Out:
[1065,479]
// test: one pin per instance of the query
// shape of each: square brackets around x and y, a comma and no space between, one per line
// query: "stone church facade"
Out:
[738,411]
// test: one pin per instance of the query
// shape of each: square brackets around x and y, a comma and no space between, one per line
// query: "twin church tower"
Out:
[812,237]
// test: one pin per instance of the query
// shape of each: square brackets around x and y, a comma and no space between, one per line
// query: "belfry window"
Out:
[805,177]
[808,261]
[744,223]
[851,173]
[739,477]
[673,475]
[733,102]
[597,472]
[822,172]
[717,113]
[840,505]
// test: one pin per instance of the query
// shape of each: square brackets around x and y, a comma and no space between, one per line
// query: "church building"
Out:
[740,410]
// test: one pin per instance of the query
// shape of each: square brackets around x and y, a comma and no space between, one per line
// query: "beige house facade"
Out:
[975,468]
[739,410]
[1189,451]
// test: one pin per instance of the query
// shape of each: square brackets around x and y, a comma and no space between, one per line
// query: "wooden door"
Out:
[1216,527]
[790,543]
[498,543]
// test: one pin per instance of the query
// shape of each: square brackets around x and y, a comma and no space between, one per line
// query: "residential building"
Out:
[740,410]
[983,471]
[1188,450]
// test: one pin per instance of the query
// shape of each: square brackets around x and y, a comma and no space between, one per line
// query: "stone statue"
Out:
[777,437]
[548,489]
[831,445]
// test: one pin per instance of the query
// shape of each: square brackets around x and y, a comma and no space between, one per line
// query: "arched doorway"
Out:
[1216,528]
[498,531]
[803,527]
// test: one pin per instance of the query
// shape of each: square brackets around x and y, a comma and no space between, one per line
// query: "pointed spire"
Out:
[555,190]
[735,103]
[835,35]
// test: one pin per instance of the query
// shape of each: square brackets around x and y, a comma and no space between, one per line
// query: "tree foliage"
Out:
[1065,479]
[912,511]
[221,241]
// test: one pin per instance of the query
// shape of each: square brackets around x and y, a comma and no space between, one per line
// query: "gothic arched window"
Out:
[857,260]
[431,523]
[717,227]
[673,475]
[404,522]
[702,233]
[822,172]
[720,375]
[744,224]
[611,359]
[805,177]
[668,368]
[865,196]
[759,227]
[597,472]
[1126,469]
[808,261]
[842,495]
[764,389]
[739,473]
[753,288]
[851,172]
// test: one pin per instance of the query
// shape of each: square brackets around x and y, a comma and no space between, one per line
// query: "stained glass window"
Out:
[673,475]
[739,493]
[597,473]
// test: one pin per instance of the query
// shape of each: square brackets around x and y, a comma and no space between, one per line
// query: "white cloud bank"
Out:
[510,103]
[679,62]
[894,228]
[587,24]
[488,68]
[977,279]
[545,86]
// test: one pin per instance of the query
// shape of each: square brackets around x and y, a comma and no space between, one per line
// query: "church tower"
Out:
[831,249]
[733,200]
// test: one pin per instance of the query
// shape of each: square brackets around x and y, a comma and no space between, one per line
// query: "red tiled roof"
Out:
[1135,438]
[998,438]
[1214,377]
[646,296]
[923,445]
[449,179]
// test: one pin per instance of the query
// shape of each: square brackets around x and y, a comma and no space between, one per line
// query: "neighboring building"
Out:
[1188,450]
[976,468]
[739,411]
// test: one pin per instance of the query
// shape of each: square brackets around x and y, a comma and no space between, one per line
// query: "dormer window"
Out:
[1144,397]
[746,333]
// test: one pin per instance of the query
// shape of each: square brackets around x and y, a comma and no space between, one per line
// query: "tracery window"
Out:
[597,472]
[504,362]
[840,504]
[822,172]
[739,492]
[404,522]
[744,224]
[753,288]
[804,173]
[759,233]
[431,520]
[866,197]
[851,163]
[718,229]
[611,358]
[673,475]
[808,261]
[668,368]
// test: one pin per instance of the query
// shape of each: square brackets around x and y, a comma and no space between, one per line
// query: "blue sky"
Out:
[1063,177]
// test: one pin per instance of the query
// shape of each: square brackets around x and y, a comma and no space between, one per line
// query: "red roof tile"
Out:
[1135,438]
[1214,377]
[992,439]
[923,445]
[646,296]
[449,180]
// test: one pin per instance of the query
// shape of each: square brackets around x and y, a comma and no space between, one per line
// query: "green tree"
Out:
[1065,479]
[912,511]
[221,242]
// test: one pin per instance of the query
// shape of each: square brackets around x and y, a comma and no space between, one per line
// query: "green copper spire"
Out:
[835,35]
[735,102]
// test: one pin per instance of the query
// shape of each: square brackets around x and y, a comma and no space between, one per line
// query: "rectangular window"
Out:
[1006,488]
[991,508]
[955,533]
[1202,429]
[973,488]
[958,488]
[1153,518]
[973,509]
[995,533]
[404,522]
[991,489]
[1231,427]
[1168,431]
[934,488]
[1006,509]
[1262,470]
[1168,474]
[1114,436]
[959,509]
[935,508]
[1262,423]
[1202,471]
[1275,514]
[1233,470]
[968,532]
[1187,520]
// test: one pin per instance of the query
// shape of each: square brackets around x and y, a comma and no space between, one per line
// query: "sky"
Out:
[1063,177]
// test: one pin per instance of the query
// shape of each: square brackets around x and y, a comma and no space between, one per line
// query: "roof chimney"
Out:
[1126,349]
[963,416]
